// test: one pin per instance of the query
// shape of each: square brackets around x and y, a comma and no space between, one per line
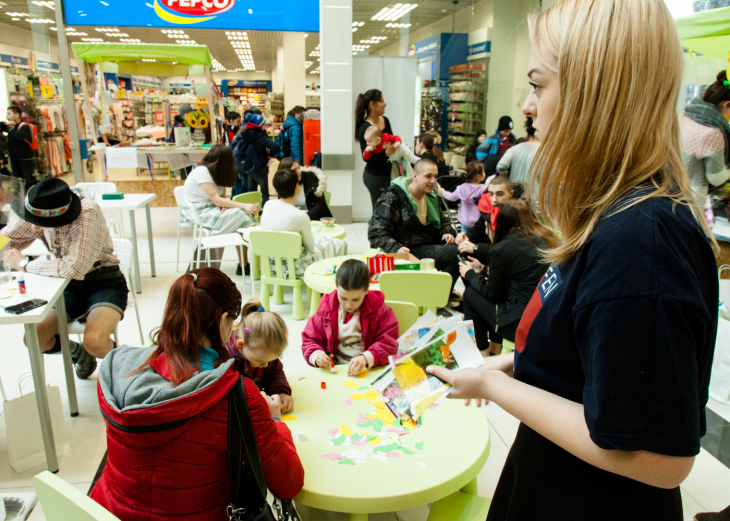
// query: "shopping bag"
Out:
[23,426]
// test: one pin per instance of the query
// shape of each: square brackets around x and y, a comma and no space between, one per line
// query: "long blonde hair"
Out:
[267,330]
[616,127]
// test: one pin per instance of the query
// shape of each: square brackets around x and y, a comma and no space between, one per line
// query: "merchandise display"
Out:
[466,105]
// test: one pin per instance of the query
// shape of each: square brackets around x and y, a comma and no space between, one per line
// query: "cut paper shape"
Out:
[377,424]
[422,465]
[379,457]
[399,432]
[379,403]
[333,432]
[339,440]
[286,418]
[3,241]
[363,388]
[355,437]
[344,430]
[356,396]
[375,440]
[360,443]
[348,401]
[419,445]
[407,452]
[301,378]
[371,392]
[362,375]
[386,448]
[396,422]
[385,416]
[346,462]
[332,457]
[350,383]
[393,455]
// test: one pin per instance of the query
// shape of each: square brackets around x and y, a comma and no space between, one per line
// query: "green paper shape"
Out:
[339,440]
[419,445]
[346,462]
[386,448]
[371,438]
[378,424]
[381,449]
[366,424]
[356,437]
[397,423]
[364,388]
[407,452]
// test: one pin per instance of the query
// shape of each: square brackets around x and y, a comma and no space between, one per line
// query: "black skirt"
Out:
[542,482]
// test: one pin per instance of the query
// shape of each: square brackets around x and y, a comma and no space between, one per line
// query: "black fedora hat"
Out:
[50,203]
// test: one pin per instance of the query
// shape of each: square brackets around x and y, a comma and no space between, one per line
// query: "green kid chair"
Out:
[427,290]
[405,312]
[327,196]
[63,502]
[279,245]
[507,346]
[248,198]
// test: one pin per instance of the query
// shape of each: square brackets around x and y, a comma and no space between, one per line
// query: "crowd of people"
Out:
[584,245]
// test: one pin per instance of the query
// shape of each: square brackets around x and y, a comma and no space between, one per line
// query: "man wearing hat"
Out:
[253,153]
[500,142]
[75,230]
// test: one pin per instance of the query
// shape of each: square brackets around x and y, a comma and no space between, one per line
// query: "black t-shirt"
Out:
[378,163]
[627,328]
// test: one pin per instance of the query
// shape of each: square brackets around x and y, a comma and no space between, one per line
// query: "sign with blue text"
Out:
[282,15]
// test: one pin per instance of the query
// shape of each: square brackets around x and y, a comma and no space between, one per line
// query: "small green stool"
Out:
[507,346]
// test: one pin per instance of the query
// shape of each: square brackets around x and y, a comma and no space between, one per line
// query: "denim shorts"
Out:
[103,287]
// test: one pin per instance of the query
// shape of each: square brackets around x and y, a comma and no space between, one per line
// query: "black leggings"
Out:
[375,184]
[484,314]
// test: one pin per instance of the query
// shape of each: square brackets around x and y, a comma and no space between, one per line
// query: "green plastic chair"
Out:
[460,506]
[507,346]
[427,290]
[279,245]
[62,501]
[248,198]
[405,312]
[327,196]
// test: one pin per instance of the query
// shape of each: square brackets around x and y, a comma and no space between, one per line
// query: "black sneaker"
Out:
[239,271]
[247,270]
[455,297]
[85,363]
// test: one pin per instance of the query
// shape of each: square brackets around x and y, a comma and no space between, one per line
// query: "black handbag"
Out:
[250,498]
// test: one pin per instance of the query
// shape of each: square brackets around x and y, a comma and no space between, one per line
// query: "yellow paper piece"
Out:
[370,416]
[375,441]
[364,374]
[385,415]
[356,396]
[344,430]
[366,434]
[379,403]
[350,383]
[286,418]
[370,393]
[4,240]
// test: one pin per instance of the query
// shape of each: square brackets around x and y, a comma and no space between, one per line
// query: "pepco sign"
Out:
[279,15]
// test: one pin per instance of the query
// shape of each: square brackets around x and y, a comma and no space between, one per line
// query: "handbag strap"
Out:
[241,418]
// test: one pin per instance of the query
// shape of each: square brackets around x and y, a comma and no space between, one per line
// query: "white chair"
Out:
[123,250]
[37,249]
[179,192]
[114,218]
[203,240]
[98,188]
[62,501]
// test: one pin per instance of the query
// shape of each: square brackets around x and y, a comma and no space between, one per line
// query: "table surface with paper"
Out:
[360,458]
[37,286]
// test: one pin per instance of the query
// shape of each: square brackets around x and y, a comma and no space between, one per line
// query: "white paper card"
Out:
[122,157]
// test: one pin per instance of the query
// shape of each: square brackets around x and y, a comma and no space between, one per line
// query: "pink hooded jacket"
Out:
[379,328]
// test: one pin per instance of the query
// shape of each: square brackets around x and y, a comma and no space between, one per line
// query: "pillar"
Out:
[295,81]
[337,124]
[278,78]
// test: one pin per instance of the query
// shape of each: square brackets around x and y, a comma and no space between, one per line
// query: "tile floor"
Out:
[706,489]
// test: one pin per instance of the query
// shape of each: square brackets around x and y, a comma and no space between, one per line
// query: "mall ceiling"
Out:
[370,35]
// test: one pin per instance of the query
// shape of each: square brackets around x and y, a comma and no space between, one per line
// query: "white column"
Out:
[337,125]
[278,85]
[294,72]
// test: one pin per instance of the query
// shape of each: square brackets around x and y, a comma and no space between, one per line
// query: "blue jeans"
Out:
[260,179]
[240,186]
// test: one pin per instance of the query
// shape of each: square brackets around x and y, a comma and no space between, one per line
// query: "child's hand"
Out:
[322,360]
[396,145]
[369,148]
[287,402]
[274,403]
[357,365]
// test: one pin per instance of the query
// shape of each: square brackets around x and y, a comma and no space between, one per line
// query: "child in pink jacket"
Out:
[352,323]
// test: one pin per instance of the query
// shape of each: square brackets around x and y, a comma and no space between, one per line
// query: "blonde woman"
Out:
[613,353]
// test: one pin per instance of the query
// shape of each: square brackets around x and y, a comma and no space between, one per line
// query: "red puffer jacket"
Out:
[179,470]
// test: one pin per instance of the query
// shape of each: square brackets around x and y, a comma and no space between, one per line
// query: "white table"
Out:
[176,157]
[132,203]
[51,290]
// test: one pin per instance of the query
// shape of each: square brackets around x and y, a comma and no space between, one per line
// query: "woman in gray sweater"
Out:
[516,162]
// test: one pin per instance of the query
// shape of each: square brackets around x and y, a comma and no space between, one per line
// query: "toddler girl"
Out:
[469,194]
[257,345]
[352,323]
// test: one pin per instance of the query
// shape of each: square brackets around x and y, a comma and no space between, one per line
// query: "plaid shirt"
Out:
[80,247]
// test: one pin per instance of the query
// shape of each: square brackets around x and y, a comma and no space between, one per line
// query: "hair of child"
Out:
[353,274]
[373,132]
[473,171]
[287,163]
[268,329]
[285,183]
[232,116]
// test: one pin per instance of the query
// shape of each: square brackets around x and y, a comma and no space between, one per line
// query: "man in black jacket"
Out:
[254,164]
[20,136]
[408,219]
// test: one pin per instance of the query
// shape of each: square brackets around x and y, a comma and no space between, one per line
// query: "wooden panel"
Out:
[163,189]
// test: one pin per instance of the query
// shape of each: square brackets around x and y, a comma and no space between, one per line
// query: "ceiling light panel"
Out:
[394,13]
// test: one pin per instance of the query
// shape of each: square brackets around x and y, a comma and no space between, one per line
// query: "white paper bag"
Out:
[23,425]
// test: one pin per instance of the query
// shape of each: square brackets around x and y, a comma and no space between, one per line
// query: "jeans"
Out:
[484,314]
[259,179]
[241,184]
[444,256]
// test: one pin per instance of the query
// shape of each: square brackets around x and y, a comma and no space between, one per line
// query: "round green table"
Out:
[317,279]
[442,456]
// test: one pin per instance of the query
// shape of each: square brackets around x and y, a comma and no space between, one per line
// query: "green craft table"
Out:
[316,278]
[456,446]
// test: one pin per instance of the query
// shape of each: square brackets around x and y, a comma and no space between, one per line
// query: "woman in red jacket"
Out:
[166,410]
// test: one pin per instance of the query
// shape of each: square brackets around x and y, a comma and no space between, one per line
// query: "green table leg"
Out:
[471,487]
[358,517]
[255,269]
[314,305]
